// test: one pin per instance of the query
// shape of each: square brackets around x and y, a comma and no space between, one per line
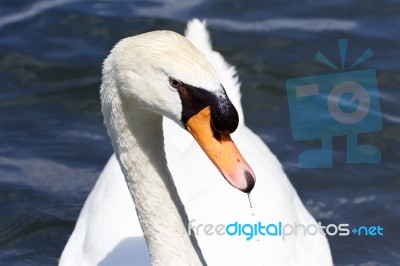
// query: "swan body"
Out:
[108,230]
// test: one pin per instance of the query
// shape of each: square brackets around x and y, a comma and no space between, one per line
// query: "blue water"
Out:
[53,143]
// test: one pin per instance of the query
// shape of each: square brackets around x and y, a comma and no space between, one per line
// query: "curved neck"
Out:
[137,138]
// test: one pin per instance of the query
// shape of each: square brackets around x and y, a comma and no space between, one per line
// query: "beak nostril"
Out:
[216,134]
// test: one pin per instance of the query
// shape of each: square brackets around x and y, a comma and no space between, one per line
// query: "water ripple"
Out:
[32,11]
[313,25]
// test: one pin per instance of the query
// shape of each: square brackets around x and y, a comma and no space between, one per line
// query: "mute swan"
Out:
[108,230]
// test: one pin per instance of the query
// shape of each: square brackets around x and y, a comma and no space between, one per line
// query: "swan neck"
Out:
[137,138]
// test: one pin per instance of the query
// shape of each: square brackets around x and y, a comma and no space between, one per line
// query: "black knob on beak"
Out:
[224,116]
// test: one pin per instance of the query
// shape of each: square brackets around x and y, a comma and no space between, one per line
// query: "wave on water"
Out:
[314,25]
[32,11]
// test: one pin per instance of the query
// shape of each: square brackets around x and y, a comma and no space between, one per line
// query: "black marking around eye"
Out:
[193,100]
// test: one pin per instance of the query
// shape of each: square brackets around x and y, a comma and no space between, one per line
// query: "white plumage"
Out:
[108,231]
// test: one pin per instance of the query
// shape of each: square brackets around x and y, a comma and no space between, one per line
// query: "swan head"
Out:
[162,72]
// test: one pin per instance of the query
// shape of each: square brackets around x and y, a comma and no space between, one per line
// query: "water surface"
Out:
[53,144]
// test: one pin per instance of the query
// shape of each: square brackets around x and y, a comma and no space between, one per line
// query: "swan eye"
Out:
[175,83]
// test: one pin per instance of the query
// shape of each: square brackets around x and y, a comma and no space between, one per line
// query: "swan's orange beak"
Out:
[222,151]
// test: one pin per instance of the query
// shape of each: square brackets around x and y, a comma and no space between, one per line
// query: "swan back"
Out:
[197,33]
